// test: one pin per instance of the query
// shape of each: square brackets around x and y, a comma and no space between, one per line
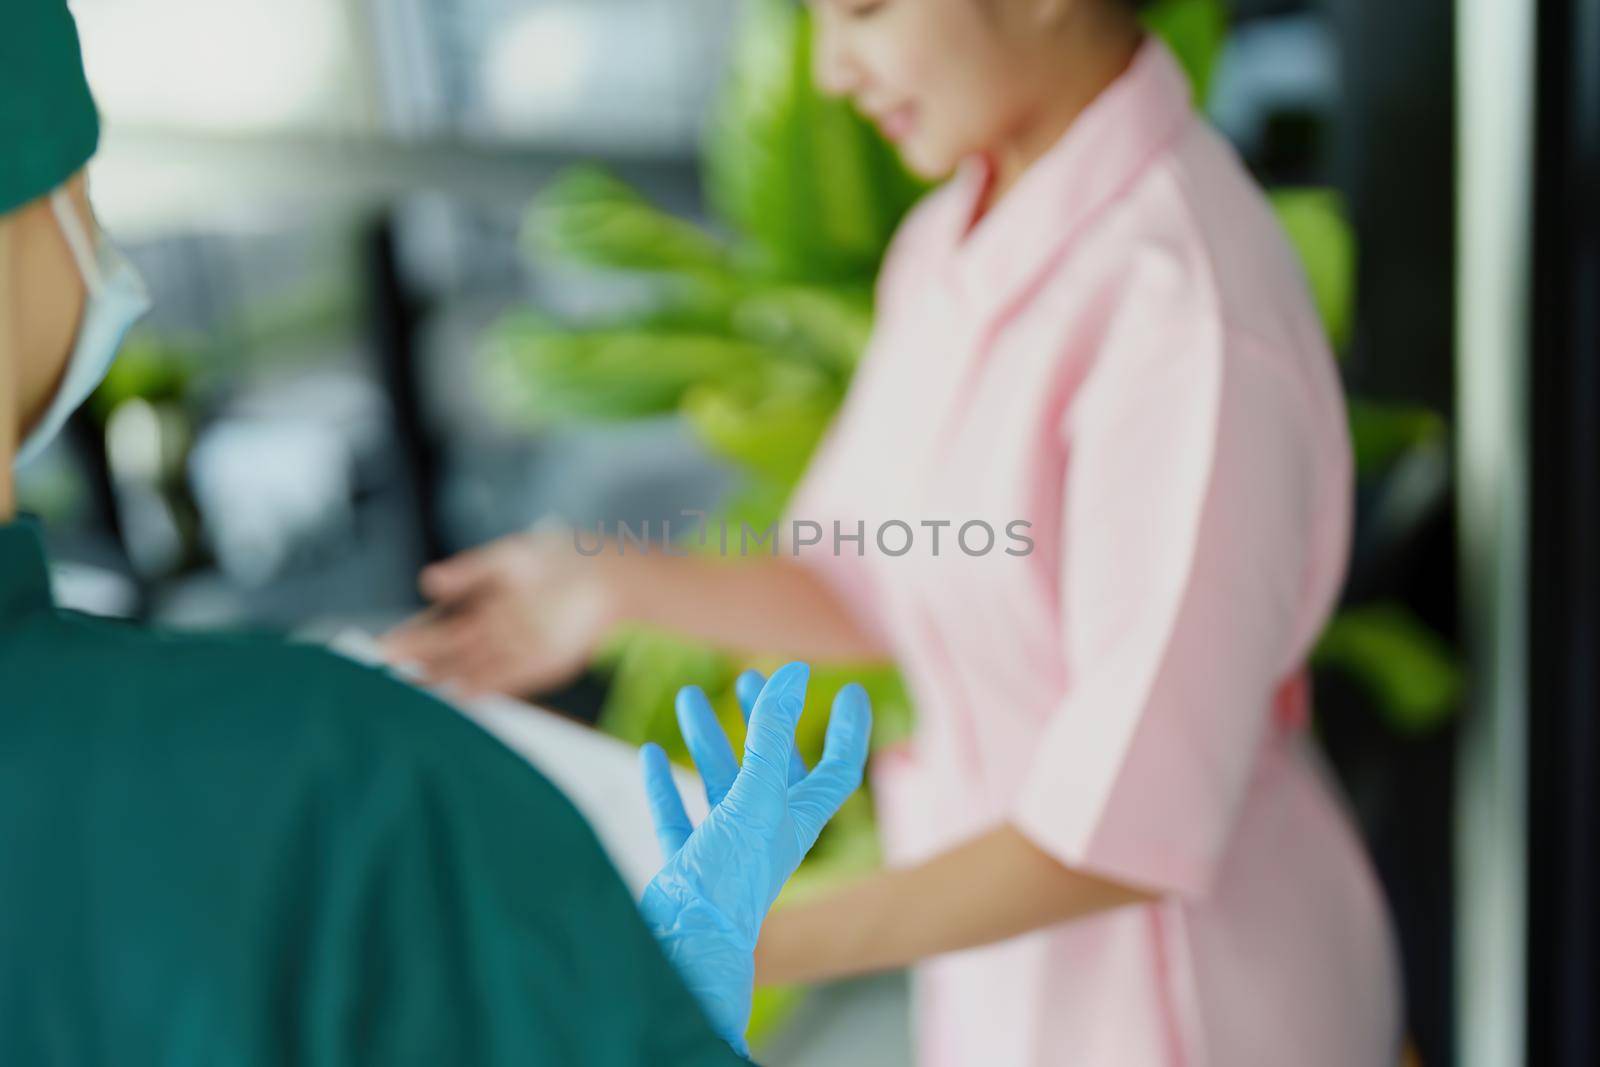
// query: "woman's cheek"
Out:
[933,145]
[921,53]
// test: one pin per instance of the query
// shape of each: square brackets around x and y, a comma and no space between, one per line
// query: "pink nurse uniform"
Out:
[1092,485]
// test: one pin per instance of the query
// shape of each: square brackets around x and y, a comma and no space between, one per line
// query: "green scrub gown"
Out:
[218,852]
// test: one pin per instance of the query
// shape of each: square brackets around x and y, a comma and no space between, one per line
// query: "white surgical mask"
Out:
[116,299]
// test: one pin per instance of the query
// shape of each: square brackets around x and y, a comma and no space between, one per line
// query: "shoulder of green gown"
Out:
[295,694]
[397,777]
[248,701]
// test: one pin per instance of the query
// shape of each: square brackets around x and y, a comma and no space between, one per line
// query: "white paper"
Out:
[598,773]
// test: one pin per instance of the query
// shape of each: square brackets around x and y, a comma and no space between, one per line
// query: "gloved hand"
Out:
[707,904]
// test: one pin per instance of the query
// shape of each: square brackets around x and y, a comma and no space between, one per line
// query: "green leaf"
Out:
[539,373]
[827,326]
[648,667]
[772,436]
[1319,229]
[587,216]
[685,303]
[1382,433]
[771,1008]
[1195,30]
[1411,673]
[148,369]
[806,180]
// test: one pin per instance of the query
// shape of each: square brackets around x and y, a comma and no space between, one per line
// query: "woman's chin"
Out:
[924,162]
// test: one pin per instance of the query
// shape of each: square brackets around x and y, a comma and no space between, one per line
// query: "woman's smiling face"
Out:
[941,78]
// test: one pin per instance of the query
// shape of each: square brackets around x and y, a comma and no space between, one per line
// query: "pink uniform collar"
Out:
[1099,156]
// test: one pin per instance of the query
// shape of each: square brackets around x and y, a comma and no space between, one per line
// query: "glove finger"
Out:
[708,744]
[748,687]
[666,806]
[769,741]
[838,774]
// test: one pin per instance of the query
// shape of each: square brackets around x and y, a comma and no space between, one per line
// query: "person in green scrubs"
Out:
[231,851]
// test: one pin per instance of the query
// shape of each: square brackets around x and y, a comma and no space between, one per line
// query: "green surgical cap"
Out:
[48,125]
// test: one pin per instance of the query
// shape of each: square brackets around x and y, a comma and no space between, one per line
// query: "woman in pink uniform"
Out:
[1111,842]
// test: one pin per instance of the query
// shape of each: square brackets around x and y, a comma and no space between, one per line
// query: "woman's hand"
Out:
[521,615]
[707,904]
[526,613]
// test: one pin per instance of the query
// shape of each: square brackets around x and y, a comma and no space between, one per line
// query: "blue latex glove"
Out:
[707,904]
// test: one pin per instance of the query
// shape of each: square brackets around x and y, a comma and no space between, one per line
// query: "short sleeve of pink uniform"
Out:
[1186,535]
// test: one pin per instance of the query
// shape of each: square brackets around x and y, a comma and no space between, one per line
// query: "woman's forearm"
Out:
[997,886]
[762,605]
